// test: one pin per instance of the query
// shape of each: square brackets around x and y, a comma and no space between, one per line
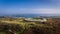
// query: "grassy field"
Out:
[19,26]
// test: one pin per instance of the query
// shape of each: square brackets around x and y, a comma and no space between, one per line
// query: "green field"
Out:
[19,26]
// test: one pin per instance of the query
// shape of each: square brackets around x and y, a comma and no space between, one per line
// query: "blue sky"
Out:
[29,6]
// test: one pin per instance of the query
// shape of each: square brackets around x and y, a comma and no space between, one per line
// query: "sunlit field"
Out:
[20,26]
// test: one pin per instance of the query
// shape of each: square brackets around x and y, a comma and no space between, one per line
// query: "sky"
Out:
[29,6]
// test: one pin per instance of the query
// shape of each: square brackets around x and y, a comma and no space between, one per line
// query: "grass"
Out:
[23,27]
[2,32]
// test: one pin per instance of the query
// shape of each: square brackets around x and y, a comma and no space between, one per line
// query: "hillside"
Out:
[20,26]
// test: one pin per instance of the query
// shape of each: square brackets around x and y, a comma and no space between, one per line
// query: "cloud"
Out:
[32,11]
[41,10]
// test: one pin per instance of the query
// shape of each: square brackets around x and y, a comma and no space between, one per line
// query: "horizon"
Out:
[26,15]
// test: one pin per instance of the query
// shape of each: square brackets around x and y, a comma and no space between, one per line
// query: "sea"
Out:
[29,15]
